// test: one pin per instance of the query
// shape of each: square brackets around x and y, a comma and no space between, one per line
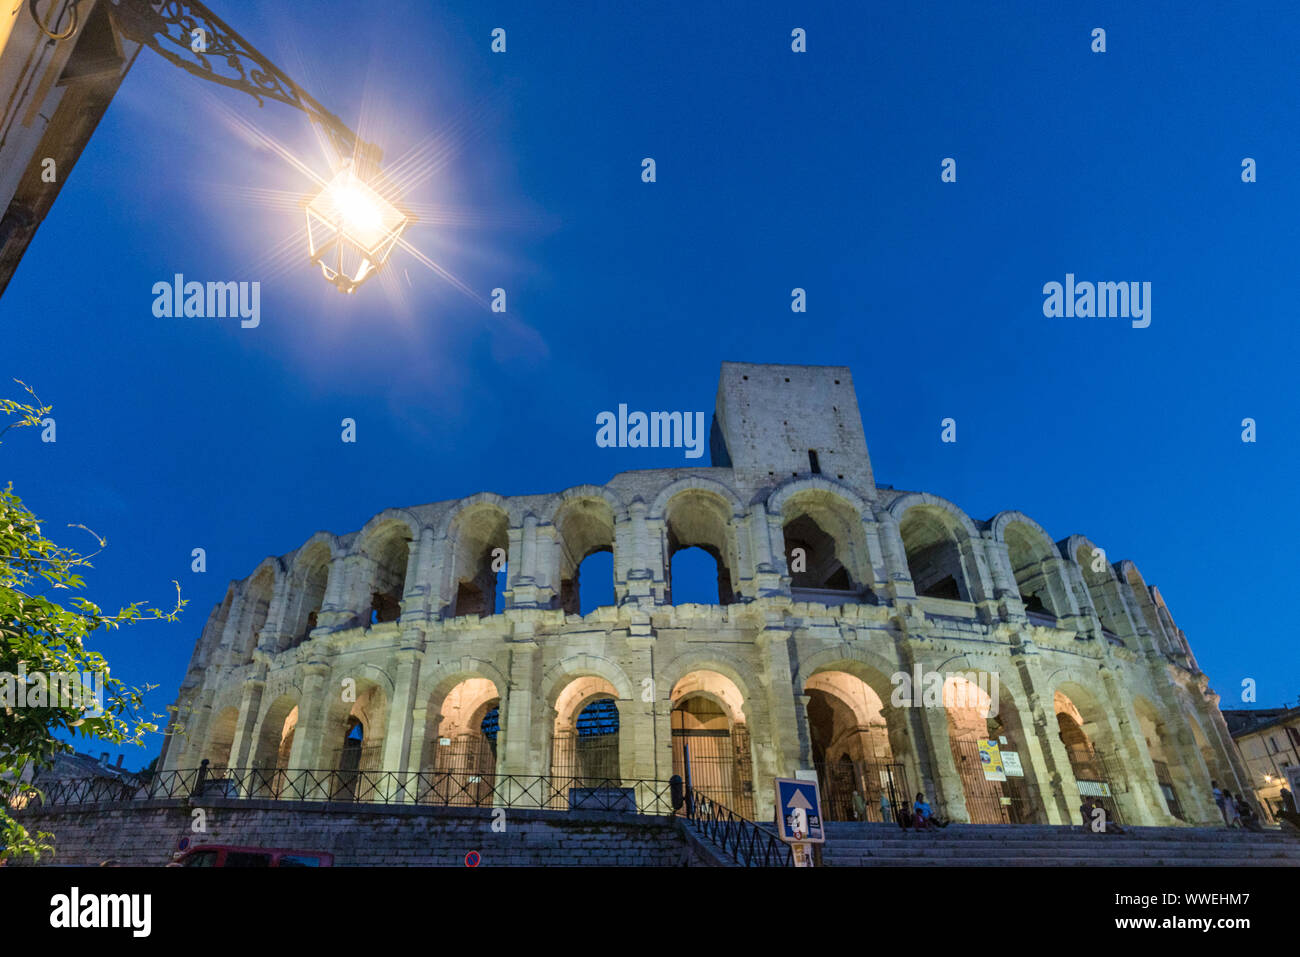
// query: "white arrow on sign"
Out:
[798,800]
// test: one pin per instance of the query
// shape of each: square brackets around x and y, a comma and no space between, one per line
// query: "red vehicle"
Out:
[228,855]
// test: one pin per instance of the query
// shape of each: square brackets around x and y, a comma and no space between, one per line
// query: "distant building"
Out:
[1269,741]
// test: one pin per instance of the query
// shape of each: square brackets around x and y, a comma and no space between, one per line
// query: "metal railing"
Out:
[748,844]
[429,788]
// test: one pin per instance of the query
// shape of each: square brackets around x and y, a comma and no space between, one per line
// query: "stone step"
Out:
[1215,862]
[1254,854]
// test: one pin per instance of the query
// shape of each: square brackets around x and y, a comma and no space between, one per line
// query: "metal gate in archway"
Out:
[990,801]
[716,763]
[1098,777]
[840,780]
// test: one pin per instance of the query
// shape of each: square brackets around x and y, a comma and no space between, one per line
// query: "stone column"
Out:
[787,724]
[246,725]
[644,581]
[1054,778]
[899,577]
[518,756]
[308,746]
[399,732]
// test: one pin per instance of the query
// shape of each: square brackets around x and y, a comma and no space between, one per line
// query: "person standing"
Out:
[1230,811]
[1288,799]
[859,806]
[1218,799]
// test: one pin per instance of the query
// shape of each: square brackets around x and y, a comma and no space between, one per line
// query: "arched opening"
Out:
[1171,776]
[586,535]
[355,739]
[480,541]
[256,606]
[274,747]
[391,550]
[849,725]
[221,739]
[585,738]
[460,760]
[711,746]
[825,546]
[933,550]
[1096,772]
[307,592]
[1098,577]
[987,745]
[1032,564]
[810,554]
[696,576]
[699,521]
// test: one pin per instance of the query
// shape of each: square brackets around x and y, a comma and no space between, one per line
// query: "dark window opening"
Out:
[491,724]
[944,588]
[813,463]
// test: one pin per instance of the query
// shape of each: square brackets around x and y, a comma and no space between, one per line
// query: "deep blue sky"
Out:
[775,170]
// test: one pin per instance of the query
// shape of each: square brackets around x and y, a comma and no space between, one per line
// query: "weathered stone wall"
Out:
[146,833]
[1049,619]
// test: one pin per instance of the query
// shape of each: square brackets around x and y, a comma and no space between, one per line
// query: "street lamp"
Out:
[351,228]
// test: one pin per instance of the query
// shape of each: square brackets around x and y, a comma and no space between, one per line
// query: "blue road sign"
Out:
[799,803]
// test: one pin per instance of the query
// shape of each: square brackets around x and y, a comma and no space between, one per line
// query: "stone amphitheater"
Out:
[447,643]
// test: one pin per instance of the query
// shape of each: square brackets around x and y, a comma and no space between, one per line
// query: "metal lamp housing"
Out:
[351,229]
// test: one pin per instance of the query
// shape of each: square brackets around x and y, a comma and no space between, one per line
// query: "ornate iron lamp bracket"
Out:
[168,28]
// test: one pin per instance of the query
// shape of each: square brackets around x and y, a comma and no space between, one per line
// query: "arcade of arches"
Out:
[563,636]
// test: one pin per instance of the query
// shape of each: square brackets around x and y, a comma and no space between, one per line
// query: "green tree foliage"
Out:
[40,635]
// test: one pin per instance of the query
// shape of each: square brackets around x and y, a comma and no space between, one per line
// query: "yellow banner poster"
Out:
[991,760]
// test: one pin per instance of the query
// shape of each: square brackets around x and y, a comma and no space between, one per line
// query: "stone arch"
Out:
[658,508]
[733,669]
[938,542]
[1174,782]
[697,515]
[308,583]
[1101,585]
[273,744]
[387,542]
[850,733]
[476,529]
[979,705]
[254,596]
[1129,574]
[588,756]
[584,526]
[1035,563]
[221,737]
[577,493]
[1094,755]
[461,744]
[712,749]
[827,521]
[371,711]
[583,665]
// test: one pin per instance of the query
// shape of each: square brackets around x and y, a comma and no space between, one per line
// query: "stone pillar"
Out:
[787,722]
[246,725]
[309,746]
[518,757]
[1054,777]
[399,732]
[644,580]
[899,576]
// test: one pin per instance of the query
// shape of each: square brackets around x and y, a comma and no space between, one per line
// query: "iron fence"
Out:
[431,788]
[748,844]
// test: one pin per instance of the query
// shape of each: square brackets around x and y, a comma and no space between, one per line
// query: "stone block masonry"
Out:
[145,833]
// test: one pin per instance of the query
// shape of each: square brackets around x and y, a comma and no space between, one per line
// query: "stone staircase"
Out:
[975,845]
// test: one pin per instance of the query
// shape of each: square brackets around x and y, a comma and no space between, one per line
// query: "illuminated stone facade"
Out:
[384,648]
